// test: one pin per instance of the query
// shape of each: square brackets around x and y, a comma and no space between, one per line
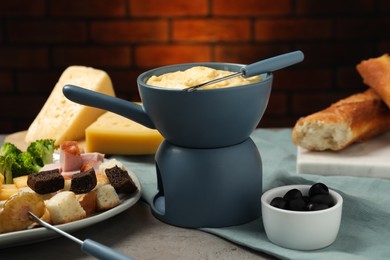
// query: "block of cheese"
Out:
[62,119]
[114,134]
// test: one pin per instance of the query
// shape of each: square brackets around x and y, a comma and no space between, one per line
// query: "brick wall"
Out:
[40,38]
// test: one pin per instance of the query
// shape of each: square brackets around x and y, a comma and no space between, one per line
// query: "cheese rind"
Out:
[62,119]
[114,134]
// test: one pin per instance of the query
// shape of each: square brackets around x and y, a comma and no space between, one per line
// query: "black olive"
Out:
[326,199]
[297,204]
[316,206]
[293,194]
[318,188]
[306,199]
[279,202]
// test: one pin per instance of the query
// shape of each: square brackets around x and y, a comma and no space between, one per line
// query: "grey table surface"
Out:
[137,233]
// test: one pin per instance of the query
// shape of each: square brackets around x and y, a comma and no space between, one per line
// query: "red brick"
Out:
[248,53]
[37,82]
[6,126]
[304,104]
[292,29]
[172,8]
[334,6]
[6,82]
[297,78]
[160,55]
[383,47]
[125,83]
[348,78]
[277,121]
[251,7]
[25,31]
[277,104]
[130,31]
[88,8]
[106,56]
[334,53]
[23,57]
[384,6]
[23,106]
[362,27]
[211,30]
[23,8]
[294,79]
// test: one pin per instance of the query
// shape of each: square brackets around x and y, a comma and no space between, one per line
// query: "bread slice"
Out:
[62,119]
[357,117]
[376,74]
[64,207]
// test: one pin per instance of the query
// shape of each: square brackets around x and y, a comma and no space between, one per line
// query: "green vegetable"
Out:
[24,165]
[6,168]
[42,151]
[15,163]
[9,149]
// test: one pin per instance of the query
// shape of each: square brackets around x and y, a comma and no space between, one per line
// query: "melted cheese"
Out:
[198,75]
[114,134]
[62,119]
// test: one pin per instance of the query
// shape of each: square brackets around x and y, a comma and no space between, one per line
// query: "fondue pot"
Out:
[209,171]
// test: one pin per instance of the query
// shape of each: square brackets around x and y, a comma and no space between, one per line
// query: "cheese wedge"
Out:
[62,119]
[114,134]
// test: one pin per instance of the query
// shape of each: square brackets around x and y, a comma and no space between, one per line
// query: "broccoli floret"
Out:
[24,165]
[42,151]
[9,149]
[6,163]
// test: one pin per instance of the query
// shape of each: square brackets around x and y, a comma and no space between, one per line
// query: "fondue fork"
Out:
[257,68]
[88,246]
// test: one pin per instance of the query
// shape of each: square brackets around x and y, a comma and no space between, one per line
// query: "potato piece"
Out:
[7,191]
[14,215]
[21,181]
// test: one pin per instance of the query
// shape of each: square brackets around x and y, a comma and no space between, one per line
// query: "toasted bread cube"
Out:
[64,207]
[106,197]
[87,201]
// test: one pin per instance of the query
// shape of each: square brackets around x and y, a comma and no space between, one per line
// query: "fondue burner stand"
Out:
[213,187]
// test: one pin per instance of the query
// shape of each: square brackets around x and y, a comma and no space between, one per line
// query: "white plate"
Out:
[34,235]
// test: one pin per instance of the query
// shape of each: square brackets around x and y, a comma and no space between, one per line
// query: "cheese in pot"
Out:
[198,75]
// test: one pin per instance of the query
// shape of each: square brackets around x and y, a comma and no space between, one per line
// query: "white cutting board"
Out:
[369,159]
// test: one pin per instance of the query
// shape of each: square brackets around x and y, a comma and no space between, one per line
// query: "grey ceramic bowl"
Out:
[205,118]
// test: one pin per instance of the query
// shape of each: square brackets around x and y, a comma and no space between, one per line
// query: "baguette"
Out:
[376,74]
[357,117]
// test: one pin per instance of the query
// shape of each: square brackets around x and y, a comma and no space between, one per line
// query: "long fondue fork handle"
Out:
[88,246]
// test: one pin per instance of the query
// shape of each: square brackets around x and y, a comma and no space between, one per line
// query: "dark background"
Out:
[40,38]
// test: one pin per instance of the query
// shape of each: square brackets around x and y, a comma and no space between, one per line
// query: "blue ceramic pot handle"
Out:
[116,105]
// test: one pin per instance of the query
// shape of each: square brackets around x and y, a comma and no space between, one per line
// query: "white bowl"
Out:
[301,230]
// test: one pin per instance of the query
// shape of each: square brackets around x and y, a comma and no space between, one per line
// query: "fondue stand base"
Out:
[216,187]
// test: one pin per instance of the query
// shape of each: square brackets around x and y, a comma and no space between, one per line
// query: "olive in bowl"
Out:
[301,217]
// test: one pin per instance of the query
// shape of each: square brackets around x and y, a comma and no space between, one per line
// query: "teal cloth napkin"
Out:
[365,226]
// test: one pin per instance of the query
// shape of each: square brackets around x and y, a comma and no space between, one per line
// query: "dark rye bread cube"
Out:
[83,182]
[46,181]
[121,180]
